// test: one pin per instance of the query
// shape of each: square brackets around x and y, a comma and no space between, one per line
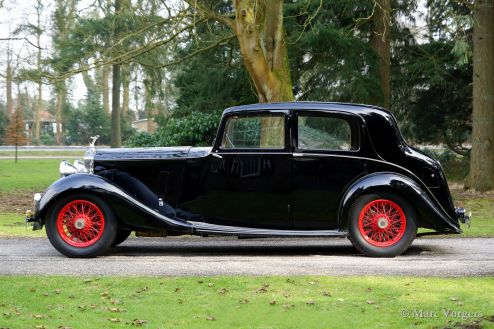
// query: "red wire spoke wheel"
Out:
[80,223]
[382,223]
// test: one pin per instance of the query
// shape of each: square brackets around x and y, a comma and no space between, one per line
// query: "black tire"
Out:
[122,235]
[67,243]
[373,243]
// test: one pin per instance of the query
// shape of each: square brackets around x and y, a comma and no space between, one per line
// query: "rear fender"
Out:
[429,211]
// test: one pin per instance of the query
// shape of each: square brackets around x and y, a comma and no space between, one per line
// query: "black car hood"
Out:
[150,153]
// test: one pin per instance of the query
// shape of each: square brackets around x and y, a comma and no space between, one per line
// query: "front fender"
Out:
[121,201]
[429,210]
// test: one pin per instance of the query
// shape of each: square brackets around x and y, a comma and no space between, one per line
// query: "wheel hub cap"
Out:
[382,222]
[80,223]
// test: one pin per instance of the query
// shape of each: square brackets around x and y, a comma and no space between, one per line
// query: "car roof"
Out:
[327,106]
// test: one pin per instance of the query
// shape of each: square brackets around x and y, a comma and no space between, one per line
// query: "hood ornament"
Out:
[93,140]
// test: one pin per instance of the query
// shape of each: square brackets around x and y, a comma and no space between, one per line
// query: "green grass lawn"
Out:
[12,225]
[246,302]
[28,174]
[64,153]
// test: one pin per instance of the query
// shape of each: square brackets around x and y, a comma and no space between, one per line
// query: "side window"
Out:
[324,133]
[264,131]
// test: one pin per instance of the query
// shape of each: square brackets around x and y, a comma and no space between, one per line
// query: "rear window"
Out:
[316,132]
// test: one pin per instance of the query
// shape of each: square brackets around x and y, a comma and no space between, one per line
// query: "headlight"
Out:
[79,165]
[67,169]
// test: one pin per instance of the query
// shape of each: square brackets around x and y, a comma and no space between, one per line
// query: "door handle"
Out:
[297,155]
[216,155]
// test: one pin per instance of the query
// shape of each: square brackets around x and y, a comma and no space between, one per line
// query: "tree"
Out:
[482,155]
[15,130]
[380,42]
[63,20]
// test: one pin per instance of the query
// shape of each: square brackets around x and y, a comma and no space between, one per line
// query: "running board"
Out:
[205,228]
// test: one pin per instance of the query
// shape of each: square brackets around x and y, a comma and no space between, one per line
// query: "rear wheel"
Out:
[81,225]
[382,225]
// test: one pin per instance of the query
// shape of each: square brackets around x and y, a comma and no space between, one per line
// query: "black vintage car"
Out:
[300,169]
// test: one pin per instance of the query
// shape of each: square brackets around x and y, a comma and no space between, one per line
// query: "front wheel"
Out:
[382,225]
[81,225]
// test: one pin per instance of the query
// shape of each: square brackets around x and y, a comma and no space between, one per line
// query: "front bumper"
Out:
[462,216]
[32,216]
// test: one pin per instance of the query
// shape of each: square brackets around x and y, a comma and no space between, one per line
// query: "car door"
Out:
[248,183]
[325,161]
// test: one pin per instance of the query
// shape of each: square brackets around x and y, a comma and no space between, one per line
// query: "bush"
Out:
[195,129]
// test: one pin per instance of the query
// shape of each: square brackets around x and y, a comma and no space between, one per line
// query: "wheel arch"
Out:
[126,208]
[428,210]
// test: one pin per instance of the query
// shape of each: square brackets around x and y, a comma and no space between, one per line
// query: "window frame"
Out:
[352,121]
[253,113]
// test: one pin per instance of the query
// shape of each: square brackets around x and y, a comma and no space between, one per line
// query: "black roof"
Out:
[329,106]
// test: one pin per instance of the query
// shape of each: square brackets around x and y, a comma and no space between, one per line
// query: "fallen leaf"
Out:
[244,301]
[310,302]
[114,320]
[288,306]
[88,280]
[177,289]
[32,290]
[312,283]
[210,284]
[369,289]
[265,285]
[57,291]
[64,327]
[210,318]
[6,314]
[115,309]
[262,290]
[115,301]
[45,294]
[138,322]
[104,294]
[222,291]
[142,289]
[290,281]
[370,302]
[453,299]
[82,307]
[38,316]
[340,300]
[286,295]
[40,327]
[71,297]
[273,302]
[326,293]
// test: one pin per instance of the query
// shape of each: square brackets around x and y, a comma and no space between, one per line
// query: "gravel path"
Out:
[185,256]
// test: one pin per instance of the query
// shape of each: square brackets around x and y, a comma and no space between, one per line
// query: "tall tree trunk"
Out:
[148,104]
[105,76]
[59,102]
[37,114]
[8,86]
[125,88]
[380,42]
[264,51]
[482,155]
[116,140]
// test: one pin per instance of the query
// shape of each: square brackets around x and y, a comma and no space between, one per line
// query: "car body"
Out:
[303,169]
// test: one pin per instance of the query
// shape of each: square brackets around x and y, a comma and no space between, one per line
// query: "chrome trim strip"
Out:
[202,227]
